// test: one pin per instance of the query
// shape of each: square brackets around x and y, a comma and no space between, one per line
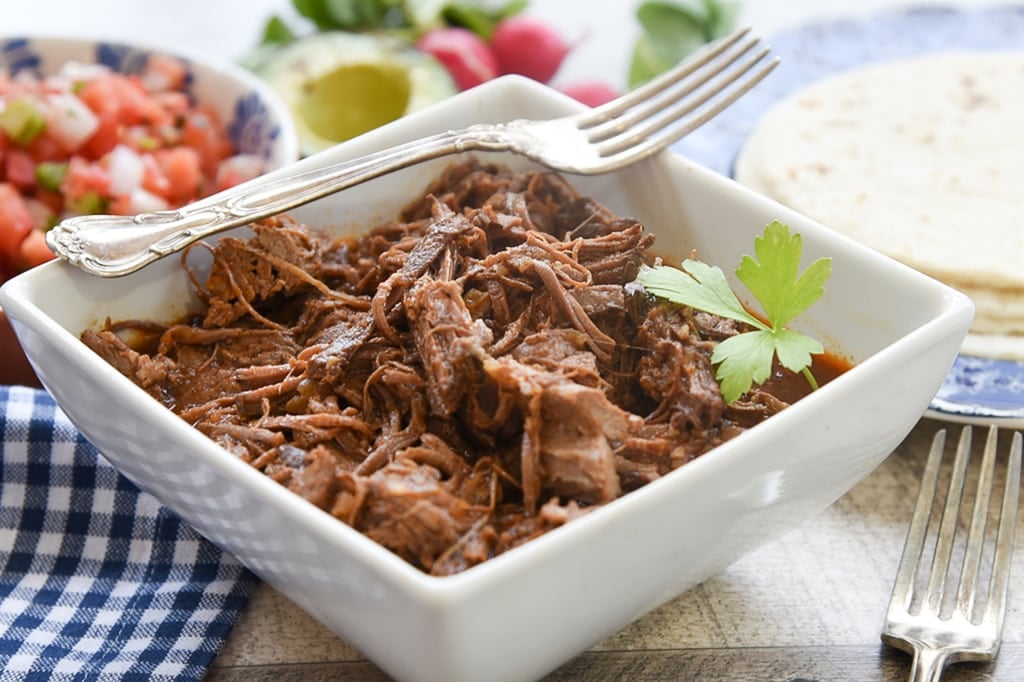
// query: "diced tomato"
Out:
[121,205]
[174,102]
[15,222]
[105,138]
[154,179]
[84,177]
[46,148]
[131,99]
[19,169]
[34,250]
[182,167]
[203,133]
[146,109]
[163,73]
[53,200]
[99,95]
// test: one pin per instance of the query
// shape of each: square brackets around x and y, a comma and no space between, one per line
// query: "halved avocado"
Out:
[339,85]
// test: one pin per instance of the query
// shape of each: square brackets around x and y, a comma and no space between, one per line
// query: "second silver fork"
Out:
[924,623]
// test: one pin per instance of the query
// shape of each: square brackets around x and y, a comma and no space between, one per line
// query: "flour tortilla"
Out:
[921,159]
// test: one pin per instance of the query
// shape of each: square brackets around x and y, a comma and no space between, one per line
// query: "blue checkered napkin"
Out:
[97,580]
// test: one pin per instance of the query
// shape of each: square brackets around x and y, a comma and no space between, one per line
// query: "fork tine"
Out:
[934,633]
[948,525]
[902,591]
[1000,580]
[665,80]
[671,123]
[968,584]
[681,88]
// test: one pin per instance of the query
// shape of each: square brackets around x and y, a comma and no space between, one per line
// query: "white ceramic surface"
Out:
[522,614]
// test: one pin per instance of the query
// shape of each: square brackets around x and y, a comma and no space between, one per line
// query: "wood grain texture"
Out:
[806,607]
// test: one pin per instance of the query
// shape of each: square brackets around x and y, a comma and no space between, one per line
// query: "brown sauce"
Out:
[790,387]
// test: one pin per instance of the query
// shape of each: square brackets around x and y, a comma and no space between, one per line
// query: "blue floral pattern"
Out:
[251,128]
[17,55]
[121,58]
[976,389]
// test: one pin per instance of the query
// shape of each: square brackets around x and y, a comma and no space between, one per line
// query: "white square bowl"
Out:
[525,612]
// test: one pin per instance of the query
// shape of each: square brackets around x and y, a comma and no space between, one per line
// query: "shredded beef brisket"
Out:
[454,382]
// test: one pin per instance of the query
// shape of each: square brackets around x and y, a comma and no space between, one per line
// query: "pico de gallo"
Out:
[91,140]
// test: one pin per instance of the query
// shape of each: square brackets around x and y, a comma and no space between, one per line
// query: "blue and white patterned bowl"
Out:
[257,121]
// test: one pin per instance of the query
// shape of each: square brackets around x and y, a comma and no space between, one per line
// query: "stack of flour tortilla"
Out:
[921,159]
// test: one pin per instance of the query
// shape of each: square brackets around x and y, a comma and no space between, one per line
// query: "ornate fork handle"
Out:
[111,246]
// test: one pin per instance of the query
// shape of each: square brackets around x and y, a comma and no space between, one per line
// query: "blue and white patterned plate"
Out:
[977,390]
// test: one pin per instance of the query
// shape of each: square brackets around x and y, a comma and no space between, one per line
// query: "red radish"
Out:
[465,55]
[591,93]
[528,46]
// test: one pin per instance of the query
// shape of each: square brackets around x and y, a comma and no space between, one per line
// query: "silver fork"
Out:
[928,625]
[624,131]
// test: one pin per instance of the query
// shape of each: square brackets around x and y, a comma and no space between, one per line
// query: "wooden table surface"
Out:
[806,607]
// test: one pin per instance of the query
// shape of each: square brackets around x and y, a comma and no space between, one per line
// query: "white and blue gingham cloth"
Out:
[98,581]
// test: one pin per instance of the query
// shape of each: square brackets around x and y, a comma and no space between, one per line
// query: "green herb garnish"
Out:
[783,292]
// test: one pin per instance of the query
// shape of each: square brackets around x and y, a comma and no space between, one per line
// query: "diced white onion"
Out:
[146,202]
[126,169]
[69,120]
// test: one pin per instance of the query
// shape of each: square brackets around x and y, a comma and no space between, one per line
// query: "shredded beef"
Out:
[454,382]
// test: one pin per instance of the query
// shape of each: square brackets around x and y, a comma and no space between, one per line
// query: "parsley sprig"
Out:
[783,292]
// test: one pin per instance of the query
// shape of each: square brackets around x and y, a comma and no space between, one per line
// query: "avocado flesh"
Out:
[339,85]
[353,99]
